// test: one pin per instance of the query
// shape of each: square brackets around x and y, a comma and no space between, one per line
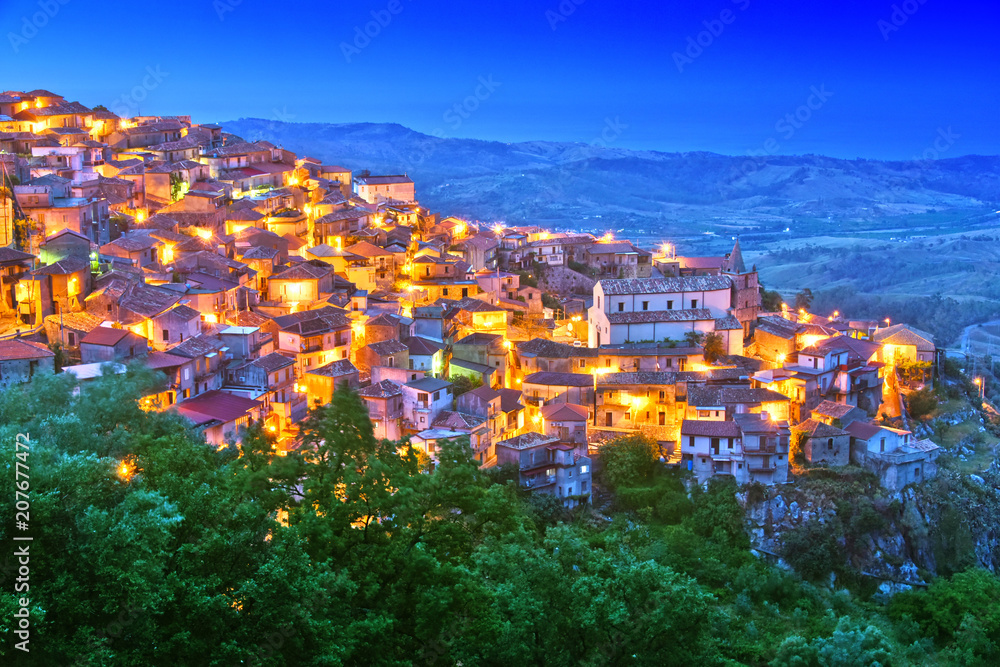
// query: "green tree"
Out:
[694,338]
[803,299]
[850,645]
[715,347]
[464,383]
[770,300]
[629,460]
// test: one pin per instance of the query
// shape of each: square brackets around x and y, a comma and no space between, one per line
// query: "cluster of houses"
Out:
[259,283]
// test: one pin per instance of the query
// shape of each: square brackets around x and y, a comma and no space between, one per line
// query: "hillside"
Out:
[584,186]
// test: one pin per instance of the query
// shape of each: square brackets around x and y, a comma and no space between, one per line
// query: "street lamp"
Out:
[982,389]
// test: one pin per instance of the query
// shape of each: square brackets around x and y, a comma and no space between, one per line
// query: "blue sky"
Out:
[728,76]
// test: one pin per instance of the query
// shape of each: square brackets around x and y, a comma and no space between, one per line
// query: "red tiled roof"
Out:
[104,336]
[23,349]
[712,429]
[216,405]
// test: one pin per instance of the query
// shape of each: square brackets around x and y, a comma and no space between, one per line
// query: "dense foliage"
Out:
[355,551]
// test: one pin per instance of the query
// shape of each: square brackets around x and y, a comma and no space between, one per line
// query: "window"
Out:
[663,419]
[584,470]
[444,292]
[663,395]
[621,307]
[645,305]
[670,305]
[882,446]
[570,473]
[690,441]
[583,487]
[829,444]
[694,303]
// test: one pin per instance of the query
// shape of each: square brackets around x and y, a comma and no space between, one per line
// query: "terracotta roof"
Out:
[12,256]
[659,378]
[216,405]
[386,347]
[335,369]
[863,430]
[383,389]
[23,349]
[197,346]
[480,338]
[561,379]
[302,271]
[833,409]
[527,440]
[510,400]
[565,412]
[272,362]
[423,346]
[457,420]
[104,336]
[904,334]
[778,326]
[664,285]
[63,267]
[647,316]
[544,347]
[366,249]
[817,429]
[712,429]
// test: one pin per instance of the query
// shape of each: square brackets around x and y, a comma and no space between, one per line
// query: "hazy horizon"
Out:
[730,77]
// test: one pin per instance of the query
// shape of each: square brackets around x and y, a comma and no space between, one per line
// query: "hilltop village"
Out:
[260,282]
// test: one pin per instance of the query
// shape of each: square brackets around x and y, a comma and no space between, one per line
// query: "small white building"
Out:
[424,400]
[652,309]
[375,189]
[893,454]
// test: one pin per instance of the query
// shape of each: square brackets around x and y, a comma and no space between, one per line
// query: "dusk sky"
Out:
[891,77]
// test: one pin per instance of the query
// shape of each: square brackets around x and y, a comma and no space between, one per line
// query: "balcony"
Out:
[539,482]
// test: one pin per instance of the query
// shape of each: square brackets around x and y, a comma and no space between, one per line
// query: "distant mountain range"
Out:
[581,186]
